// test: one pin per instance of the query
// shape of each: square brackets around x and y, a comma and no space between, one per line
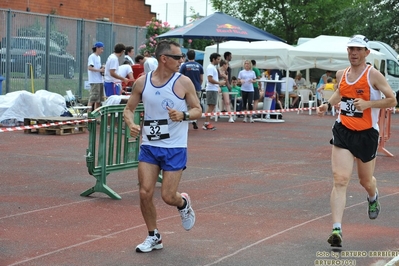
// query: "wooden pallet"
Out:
[65,129]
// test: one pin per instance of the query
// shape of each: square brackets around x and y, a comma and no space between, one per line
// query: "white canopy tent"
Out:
[326,52]
[268,54]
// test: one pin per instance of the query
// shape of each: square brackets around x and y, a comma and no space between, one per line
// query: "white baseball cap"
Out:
[358,41]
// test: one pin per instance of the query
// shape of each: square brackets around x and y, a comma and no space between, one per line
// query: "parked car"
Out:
[32,50]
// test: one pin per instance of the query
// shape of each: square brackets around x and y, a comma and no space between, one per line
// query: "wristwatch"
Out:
[186,116]
[329,104]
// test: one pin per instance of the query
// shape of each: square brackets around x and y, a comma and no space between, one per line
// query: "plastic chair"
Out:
[78,108]
[326,95]
[70,98]
[304,94]
[313,87]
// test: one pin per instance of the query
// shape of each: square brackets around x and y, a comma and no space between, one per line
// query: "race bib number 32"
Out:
[156,129]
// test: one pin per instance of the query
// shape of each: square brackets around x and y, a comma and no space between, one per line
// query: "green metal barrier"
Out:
[117,151]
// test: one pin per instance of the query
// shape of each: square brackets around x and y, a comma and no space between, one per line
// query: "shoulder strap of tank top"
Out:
[343,75]
[369,67]
[175,77]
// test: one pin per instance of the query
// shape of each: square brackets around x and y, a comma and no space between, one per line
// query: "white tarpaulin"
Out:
[22,104]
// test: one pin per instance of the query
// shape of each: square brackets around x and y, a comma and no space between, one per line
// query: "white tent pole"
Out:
[287,98]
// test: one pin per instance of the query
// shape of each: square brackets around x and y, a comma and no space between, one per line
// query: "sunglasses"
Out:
[174,56]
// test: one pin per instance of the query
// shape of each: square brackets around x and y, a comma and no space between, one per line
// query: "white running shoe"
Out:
[251,120]
[150,243]
[245,120]
[187,214]
[231,120]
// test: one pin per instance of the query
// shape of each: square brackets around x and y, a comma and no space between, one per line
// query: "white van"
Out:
[391,67]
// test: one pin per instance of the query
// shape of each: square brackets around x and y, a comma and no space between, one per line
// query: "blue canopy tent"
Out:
[220,27]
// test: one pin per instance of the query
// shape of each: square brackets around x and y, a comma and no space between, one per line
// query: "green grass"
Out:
[57,84]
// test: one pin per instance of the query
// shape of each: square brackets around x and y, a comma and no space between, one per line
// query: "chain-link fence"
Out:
[50,52]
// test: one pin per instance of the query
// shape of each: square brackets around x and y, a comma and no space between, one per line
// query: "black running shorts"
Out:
[362,144]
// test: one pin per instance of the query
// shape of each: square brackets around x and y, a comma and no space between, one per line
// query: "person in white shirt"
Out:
[299,80]
[111,76]
[147,53]
[289,85]
[212,88]
[247,78]
[94,73]
[129,54]
[150,64]
[126,71]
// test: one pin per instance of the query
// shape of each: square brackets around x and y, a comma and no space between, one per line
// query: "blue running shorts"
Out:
[168,159]
[112,89]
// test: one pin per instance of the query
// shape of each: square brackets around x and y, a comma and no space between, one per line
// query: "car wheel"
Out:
[70,72]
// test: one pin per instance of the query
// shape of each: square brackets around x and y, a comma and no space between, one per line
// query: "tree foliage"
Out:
[378,20]
[198,44]
[288,19]
[155,27]
[291,19]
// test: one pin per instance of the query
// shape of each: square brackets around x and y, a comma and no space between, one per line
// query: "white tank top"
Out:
[158,129]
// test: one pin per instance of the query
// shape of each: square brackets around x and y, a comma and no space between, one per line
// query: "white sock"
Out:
[371,199]
[337,225]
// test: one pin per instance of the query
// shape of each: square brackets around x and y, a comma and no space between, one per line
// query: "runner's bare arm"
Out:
[134,100]
[379,82]
[335,98]
[184,88]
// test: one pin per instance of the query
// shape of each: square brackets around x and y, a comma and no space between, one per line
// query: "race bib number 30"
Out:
[348,108]
[156,129]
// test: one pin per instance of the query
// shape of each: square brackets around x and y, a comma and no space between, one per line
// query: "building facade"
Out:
[127,12]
